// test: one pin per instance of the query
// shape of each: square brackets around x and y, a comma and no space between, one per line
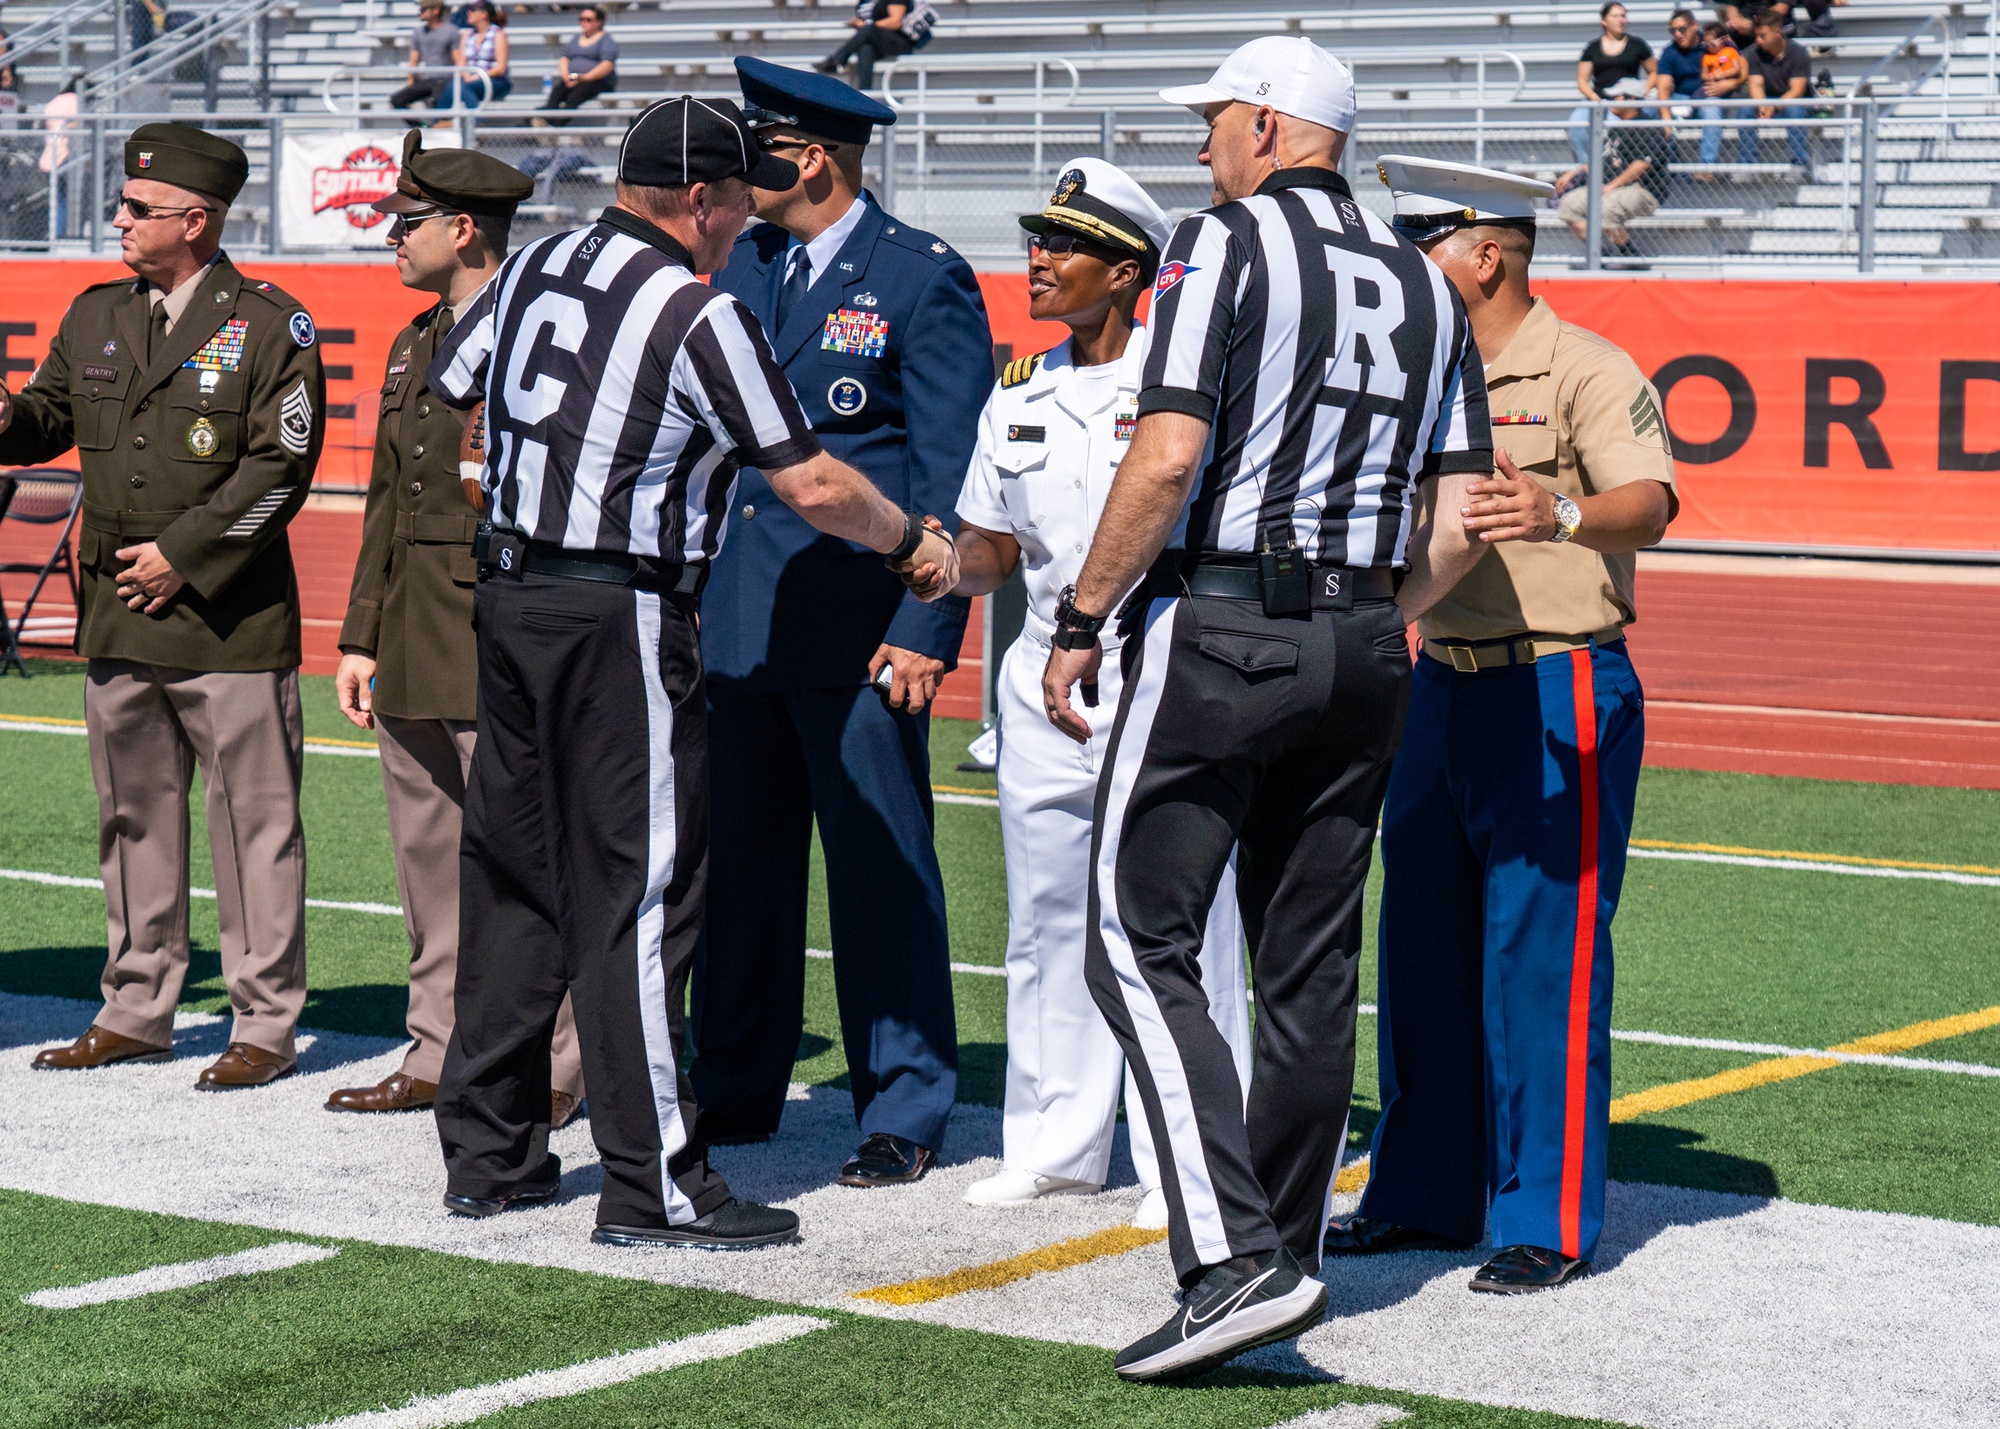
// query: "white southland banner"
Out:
[330,179]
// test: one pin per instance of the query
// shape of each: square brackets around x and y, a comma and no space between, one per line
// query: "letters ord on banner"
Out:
[1808,414]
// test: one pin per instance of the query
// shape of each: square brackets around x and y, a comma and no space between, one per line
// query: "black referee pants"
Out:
[582,868]
[1273,737]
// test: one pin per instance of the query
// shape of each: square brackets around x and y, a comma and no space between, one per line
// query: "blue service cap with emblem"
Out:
[1101,201]
[813,103]
[1433,196]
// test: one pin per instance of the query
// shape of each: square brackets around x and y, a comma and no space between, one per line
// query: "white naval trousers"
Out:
[1064,1068]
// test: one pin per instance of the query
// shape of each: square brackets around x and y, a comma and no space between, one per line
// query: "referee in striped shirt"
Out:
[620,396]
[1311,391]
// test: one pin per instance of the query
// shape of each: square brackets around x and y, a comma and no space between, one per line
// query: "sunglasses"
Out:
[770,144]
[1060,244]
[407,221]
[141,210]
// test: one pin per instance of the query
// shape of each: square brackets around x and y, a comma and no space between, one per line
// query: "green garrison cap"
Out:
[188,157]
[460,180]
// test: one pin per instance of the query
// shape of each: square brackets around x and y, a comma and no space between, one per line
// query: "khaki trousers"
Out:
[149,726]
[425,765]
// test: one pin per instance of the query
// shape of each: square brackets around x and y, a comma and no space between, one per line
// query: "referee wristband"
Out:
[913,537]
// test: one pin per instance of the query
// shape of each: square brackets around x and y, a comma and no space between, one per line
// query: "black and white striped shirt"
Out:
[1334,362]
[621,393]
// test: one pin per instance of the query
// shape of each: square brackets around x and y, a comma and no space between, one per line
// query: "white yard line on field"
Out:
[1799,865]
[463,1406]
[350,749]
[280,1255]
[1348,1416]
[63,880]
[979,969]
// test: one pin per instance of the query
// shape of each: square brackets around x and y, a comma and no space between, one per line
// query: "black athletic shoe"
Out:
[733,1225]
[1518,1269]
[1357,1235]
[494,1205]
[886,1160]
[1235,1307]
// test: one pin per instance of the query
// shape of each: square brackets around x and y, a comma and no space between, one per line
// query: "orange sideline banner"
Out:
[1849,414]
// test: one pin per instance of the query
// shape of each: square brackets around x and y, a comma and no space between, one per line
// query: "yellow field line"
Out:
[1781,1069]
[1060,1256]
[960,789]
[346,743]
[1815,857]
[40,719]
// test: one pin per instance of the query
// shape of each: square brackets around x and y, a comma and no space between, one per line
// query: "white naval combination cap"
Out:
[1101,201]
[1434,196]
[1288,72]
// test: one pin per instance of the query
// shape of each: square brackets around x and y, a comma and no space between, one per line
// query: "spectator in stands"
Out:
[10,80]
[1636,163]
[1780,75]
[1679,76]
[1736,20]
[588,67]
[59,115]
[1817,20]
[483,50]
[878,35]
[1613,56]
[146,21]
[1724,75]
[432,45]
[1809,19]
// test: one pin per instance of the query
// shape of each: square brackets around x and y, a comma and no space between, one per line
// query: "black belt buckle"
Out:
[1286,581]
[497,552]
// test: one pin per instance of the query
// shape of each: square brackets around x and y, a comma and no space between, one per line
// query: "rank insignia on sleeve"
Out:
[1123,424]
[224,351]
[202,440]
[295,420]
[857,334]
[939,248]
[1645,414]
[1020,370]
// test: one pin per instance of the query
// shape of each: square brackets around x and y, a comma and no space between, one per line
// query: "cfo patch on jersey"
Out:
[295,414]
[847,396]
[302,329]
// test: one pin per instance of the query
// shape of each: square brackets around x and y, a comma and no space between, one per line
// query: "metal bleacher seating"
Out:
[1009,88]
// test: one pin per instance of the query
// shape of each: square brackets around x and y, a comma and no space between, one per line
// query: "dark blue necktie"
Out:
[794,291]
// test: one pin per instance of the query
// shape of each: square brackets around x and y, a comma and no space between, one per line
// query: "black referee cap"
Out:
[188,157]
[692,141]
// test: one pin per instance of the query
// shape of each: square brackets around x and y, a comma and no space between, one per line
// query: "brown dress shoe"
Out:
[563,1109]
[394,1093]
[100,1048]
[243,1066]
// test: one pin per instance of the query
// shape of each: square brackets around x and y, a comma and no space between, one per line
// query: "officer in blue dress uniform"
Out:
[881,329]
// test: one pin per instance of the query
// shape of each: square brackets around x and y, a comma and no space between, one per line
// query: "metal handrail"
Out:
[1906,46]
[357,71]
[923,67]
[59,26]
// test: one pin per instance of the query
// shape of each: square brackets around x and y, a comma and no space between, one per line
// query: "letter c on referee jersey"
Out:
[530,403]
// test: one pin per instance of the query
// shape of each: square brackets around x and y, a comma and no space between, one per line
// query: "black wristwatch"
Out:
[1074,629]
[913,537]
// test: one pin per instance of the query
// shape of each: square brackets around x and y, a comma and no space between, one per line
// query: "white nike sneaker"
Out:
[1021,1188]
[1233,1308]
[1152,1212]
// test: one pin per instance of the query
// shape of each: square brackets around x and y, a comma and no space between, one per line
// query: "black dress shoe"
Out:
[1234,1307]
[886,1160]
[513,1200]
[733,1225]
[1357,1235]
[1517,1269]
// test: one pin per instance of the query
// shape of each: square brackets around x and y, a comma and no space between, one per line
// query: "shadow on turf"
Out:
[1673,1156]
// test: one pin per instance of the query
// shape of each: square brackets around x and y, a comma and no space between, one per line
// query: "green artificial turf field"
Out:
[1705,950]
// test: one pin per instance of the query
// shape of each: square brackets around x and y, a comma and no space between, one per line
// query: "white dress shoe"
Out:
[1152,1212]
[1019,1188]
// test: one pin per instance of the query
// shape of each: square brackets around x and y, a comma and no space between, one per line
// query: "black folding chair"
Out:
[39,496]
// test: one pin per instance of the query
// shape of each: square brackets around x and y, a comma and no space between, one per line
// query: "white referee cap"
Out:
[1434,196]
[1288,72]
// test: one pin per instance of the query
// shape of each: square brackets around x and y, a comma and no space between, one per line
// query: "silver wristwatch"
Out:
[1568,518]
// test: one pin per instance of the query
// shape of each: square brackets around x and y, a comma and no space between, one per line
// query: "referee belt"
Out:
[1236,577]
[1469,657]
[619,568]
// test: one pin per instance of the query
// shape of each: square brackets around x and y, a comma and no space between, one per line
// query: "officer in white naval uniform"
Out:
[1050,441]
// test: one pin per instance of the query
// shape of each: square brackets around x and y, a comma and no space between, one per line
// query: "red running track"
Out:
[1825,669]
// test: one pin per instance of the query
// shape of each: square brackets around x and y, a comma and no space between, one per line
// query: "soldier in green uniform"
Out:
[409,663]
[195,400]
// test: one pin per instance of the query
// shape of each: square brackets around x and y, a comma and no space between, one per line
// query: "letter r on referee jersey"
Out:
[1369,299]
[530,404]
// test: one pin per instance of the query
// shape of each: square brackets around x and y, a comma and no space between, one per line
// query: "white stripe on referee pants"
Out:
[661,834]
[1149,1023]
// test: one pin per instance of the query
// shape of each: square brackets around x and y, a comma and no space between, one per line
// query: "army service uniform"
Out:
[1504,834]
[201,435]
[411,609]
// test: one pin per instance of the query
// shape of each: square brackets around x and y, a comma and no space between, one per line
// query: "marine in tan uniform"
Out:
[195,400]
[409,664]
[1504,833]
